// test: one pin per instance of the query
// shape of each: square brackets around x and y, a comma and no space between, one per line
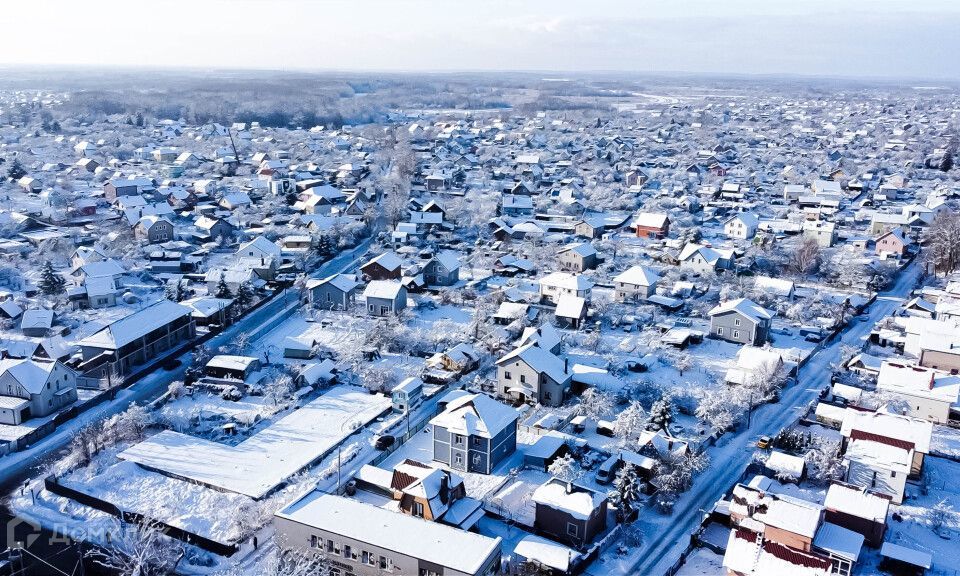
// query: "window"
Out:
[346,550]
[523,378]
[329,545]
[719,331]
[476,440]
[572,529]
[418,509]
[365,557]
[736,333]
[459,459]
[458,439]
[315,542]
[736,322]
[506,375]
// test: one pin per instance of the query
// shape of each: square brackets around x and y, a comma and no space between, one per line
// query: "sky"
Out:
[847,38]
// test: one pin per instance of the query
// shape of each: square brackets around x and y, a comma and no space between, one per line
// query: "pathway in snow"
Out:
[667,536]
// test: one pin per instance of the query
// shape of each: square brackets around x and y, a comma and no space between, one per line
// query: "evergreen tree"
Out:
[223,291]
[50,282]
[244,296]
[627,489]
[16,170]
[661,413]
[139,119]
[947,163]
[324,247]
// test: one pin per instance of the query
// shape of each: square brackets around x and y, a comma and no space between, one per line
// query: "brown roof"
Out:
[861,435]
[796,557]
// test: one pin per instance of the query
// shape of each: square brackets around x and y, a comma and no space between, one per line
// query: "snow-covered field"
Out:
[262,462]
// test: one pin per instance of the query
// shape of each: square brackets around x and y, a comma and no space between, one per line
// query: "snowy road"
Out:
[665,540]
[18,466]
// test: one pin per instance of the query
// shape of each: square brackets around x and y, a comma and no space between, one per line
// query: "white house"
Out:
[743,226]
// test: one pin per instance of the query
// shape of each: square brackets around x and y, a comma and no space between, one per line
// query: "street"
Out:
[728,462]
[19,466]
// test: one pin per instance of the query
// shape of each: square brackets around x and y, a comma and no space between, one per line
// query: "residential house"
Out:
[652,225]
[892,243]
[531,373]
[386,266]
[154,229]
[925,392]
[742,226]
[34,388]
[825,233]
[557,284]
[474,433]
[578,257]
[741,320]
[137,339]
[443,269]
[859,510]
[569,513]
[635,284]
[383,297]
[402,544]
[336,292]
[704,259]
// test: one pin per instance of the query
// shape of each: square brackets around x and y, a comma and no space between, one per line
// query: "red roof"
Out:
[796,557]
[861,435]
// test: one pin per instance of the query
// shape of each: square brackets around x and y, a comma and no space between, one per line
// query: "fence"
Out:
[54,486]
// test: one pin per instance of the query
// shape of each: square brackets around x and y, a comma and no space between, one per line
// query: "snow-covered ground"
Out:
[260,463]
[665,536]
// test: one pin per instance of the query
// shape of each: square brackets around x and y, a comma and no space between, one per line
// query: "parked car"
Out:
[764,442]
[384,442]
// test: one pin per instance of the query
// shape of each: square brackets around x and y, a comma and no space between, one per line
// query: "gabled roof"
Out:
[651,220]
[31,374]
[387,289]
[567,281]
[894,426]
[388,260]
[476,415]
[539,359]
[638,276]
[745,306]
[140,323]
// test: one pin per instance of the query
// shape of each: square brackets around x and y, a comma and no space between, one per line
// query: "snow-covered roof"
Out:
[476,415]
[540,360]
[575,500]
[140,323]
[230,362]
[388,260]
[386,289]
[31,374]
[747,307]
[857,502]
[650,220]
[907,555]
[263,461]
[570,306]
[567,281]
[895,426]
[637,276]
[786,464]
[777,510]
[583,249]
[342,282]
[545,552]
[919,381]
[432,542]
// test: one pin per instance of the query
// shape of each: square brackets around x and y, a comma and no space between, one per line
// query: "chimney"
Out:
[930,384]
[444,488]
[261,261]
[569,487]
[566,365]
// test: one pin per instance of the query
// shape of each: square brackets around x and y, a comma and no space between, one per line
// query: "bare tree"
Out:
[140,550]
[805,258]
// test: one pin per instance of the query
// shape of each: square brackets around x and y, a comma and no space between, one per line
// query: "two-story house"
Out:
[475,433]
